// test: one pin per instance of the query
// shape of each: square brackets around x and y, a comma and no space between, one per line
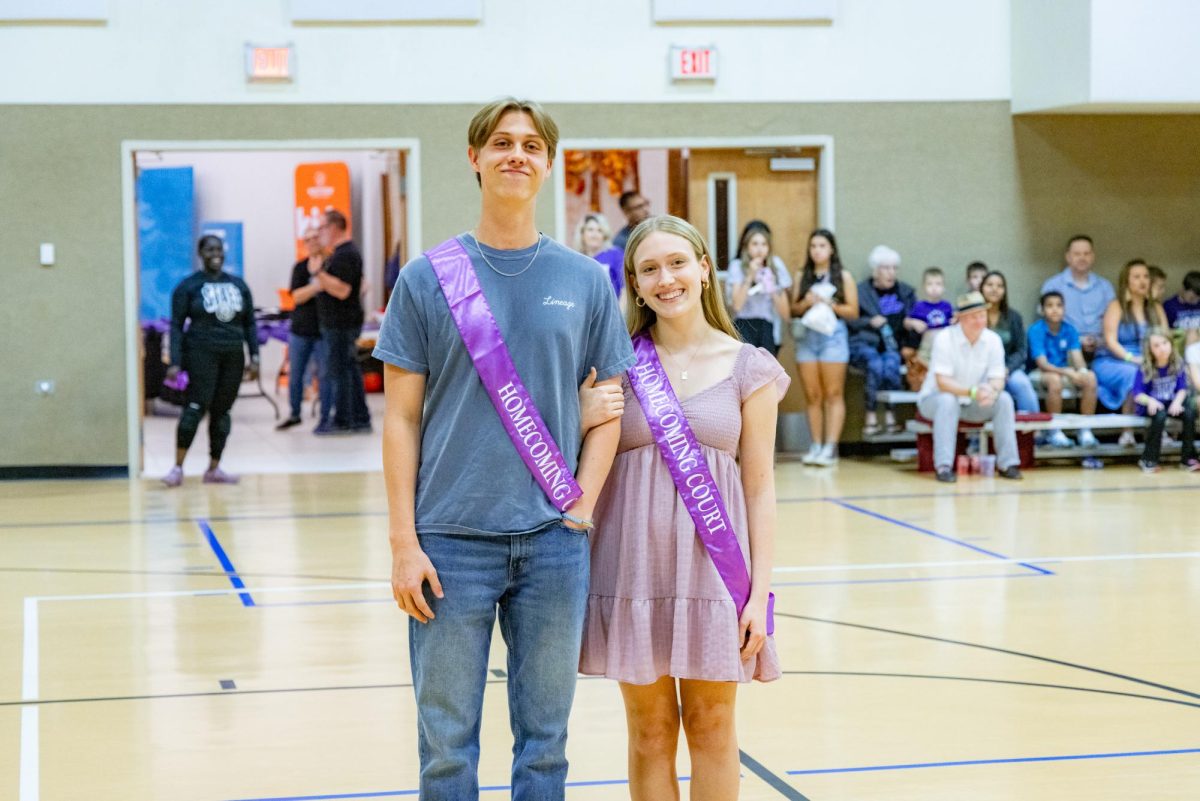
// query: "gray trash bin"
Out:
[792,435]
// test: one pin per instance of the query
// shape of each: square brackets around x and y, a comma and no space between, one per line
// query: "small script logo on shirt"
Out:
[550,300]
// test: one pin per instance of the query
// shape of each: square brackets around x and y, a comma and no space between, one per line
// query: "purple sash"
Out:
[484,343]
[689,470]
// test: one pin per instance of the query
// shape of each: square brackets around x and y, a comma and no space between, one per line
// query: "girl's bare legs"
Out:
[652,715]
[833,384]
[708,722]
[814,395]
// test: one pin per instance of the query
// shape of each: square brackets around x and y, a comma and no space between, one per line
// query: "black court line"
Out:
[903,496]
[1035,684]
[810,499]
[1010,652]
[776,783]
[503,679]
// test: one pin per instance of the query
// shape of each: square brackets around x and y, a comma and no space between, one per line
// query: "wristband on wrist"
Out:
[579,521]
[972,392]
[1129,357]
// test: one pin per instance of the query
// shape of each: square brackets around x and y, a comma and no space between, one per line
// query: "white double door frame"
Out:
[133,338]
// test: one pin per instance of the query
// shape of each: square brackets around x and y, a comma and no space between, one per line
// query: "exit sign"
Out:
[270,63]
[693,63]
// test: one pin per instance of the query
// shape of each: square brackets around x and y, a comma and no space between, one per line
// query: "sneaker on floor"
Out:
[826,456]
[1087,439]
[330,430]
[814,450]
[1127,439]
[1190,465]
[1012,472]
[362,428]
[946,476]
[288,423]
[218,476]
[1058,439]
[173,478]
[1148,467]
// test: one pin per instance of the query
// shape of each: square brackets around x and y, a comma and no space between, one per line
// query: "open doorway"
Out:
[259,198]
[716,184]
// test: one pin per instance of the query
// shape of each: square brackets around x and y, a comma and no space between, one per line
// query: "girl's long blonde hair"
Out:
[1149,368]
[640,318]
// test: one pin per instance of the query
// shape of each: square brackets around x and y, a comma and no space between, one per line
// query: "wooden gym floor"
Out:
[988,640]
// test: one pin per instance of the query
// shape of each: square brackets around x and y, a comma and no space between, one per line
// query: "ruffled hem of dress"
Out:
[619,642]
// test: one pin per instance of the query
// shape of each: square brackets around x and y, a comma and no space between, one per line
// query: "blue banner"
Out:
[166,236]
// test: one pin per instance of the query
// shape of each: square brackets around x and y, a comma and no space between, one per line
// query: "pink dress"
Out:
[657,605]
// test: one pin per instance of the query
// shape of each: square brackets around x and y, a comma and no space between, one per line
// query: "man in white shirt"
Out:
[966,381]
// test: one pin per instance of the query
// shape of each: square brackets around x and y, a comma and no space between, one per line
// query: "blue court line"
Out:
[226,565]
[146,521]
[908,580]
[496,788]
[1009,761]
[929,533]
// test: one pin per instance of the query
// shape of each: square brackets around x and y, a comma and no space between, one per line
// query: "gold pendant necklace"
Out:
[683,374]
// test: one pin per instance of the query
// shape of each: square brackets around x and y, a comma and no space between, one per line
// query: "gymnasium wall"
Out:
[944,183]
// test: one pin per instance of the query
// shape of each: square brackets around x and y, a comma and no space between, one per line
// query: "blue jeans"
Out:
[346,405]
[301,350]
[882,369]
[1024,395]
[539,584]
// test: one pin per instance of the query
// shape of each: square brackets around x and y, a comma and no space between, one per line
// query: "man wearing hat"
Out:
[966,382]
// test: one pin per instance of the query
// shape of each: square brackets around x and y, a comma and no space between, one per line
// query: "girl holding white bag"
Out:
[825,298]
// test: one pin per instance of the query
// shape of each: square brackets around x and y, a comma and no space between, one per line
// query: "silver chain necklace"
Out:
[488,262]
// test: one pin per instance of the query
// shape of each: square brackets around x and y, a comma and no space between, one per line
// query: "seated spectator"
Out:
[1160,391]
[1054,346]
[928,315]
[1125,322]
[1085,295]
[1009,325]
[976,270]
[1183,310]
[877,336]
[757,282]
[593,238]
[966,381]
[1191,357]
[1158,283]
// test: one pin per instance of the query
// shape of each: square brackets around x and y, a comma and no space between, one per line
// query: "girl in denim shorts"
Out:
[821,358]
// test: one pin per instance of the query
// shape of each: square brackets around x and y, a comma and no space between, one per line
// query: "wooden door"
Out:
[736,185]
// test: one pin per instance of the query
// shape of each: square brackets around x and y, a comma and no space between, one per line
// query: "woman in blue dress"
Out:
[1119,355]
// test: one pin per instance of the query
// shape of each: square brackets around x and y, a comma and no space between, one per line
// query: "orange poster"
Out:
[320,187]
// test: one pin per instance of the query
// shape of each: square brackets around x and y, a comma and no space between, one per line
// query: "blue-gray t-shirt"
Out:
[559,319]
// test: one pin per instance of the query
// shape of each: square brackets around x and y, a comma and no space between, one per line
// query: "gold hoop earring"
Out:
[639,301]
[704,285]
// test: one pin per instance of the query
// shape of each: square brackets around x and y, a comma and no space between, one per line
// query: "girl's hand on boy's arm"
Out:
[598,404]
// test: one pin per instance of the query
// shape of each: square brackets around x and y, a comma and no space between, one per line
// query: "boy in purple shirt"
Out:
[1160,391]
[1183,310]
[1054,345]
[926,317]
